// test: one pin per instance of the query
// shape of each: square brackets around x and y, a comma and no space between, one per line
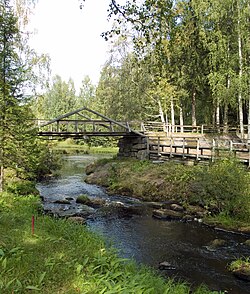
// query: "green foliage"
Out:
[22,188]
[83,199]
[238,264]
[63,257]
[222,187]
[225,184]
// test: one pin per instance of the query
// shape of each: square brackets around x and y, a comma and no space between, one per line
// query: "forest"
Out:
[178,62]
[183,62]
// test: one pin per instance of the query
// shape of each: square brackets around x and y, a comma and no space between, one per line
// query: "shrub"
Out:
[225,184]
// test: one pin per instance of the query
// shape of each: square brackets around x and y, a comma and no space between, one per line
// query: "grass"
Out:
[70,146]
[223,187]
[64,257]
[239,264]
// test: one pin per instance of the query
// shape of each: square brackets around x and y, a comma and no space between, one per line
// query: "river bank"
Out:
[217,195]
[47,255]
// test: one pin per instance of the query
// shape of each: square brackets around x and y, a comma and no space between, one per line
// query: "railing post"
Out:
[231,147]
[148,152]
[158,146]
[197,148]
[171,146]
[202,129]
[248,156]
[213,151]
[183,147]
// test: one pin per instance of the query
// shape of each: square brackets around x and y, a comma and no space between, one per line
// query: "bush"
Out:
[225,184]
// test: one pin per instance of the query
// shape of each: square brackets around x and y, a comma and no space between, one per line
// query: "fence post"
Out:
[158,146]
[171,146]
[197,148]
[183,147]
[148,154]
[213,151]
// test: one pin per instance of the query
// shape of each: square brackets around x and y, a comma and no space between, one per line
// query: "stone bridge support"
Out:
[134,146]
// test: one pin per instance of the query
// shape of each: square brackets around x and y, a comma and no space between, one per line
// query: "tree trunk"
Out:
[225,118]
[181,119]
[1,178]
[172,114]
[217,115]
[161,114]
[248,123]
[194,108]
[240,106]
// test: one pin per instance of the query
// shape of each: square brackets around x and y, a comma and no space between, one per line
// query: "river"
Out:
[136,234]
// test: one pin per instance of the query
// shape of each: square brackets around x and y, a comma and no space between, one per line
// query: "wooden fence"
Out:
[196,148]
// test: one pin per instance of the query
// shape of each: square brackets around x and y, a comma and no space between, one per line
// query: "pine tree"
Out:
[16,142]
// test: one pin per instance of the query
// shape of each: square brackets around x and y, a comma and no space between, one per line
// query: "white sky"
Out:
[71,37]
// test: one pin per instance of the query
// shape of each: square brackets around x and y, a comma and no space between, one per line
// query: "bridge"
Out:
[150,140]
[78,124]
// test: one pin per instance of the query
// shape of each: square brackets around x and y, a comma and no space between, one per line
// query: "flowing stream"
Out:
[130,227]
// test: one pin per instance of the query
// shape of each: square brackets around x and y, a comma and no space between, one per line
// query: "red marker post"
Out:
[33,224]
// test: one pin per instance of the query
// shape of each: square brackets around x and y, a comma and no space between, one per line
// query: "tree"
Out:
[17,143]
[59,99]
[87,93]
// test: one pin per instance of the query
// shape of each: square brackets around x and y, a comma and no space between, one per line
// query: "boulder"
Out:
[176,207]
[83,199]
[217,243]
[242,273]
[247,242]
[77,219]
[165,265]
[156,205]
[97,202]
[167,214]
[196,211]
[86,210]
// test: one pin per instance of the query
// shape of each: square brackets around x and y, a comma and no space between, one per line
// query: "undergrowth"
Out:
[223,187]
[64,257]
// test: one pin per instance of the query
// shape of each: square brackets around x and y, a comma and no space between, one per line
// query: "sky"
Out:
[71,36]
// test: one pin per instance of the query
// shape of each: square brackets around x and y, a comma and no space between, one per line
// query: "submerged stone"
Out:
[62,201]
[167,214]
[165,265]
[216,243]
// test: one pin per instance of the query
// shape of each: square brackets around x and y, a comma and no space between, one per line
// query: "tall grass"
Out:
[64,257]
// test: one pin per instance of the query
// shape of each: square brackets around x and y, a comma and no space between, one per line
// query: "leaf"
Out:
[14,250]
[35,288]
[79,269]
[10,282]
[19,284]
[4,263]
[41,278]
[1,252]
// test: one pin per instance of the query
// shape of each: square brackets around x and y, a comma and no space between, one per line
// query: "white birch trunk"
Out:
[217,115]
[181,119]
[194,108]
[240,77]
[172,114]
[161,114]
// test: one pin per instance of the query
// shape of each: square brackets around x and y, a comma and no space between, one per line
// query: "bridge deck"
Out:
[163,141]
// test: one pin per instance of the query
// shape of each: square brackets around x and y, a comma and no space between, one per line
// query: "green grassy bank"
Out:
[65,257]
[222,188]
[69,146]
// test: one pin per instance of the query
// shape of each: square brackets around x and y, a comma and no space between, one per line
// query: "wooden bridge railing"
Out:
[196,148]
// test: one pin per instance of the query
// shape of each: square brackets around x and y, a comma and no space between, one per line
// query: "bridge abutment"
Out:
[133,146]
